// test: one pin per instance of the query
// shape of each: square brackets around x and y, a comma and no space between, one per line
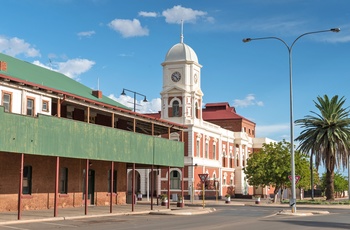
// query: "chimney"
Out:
[97,93]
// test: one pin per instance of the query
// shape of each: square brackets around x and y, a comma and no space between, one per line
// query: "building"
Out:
[218,141]
[65,145]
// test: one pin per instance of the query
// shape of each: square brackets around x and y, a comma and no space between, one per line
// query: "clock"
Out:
[176,76]
[195,78]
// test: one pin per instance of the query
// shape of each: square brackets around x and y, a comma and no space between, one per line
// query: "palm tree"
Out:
[327,136]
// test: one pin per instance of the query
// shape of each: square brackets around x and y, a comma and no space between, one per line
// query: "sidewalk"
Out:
[144,207]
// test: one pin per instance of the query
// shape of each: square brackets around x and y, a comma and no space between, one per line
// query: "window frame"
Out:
[3,101]
[63,181]
[175,181]
[175,108]
[198,146]
[214,150]
[33,107]
[47,106]
[27,180]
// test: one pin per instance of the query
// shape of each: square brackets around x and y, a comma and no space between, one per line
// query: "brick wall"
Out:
[43,182]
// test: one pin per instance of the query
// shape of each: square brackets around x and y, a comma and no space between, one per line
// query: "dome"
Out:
[181,52]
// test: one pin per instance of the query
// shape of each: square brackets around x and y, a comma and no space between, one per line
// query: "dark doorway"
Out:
[91,187]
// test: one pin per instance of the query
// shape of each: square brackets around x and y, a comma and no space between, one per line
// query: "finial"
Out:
[182,32]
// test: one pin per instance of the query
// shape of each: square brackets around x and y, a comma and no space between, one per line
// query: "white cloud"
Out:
[178,13]
[71,68]
[277,132]
[128,28]
[86,33]
[16,46]
[247,101]
[74,67]
[148,14]
[152,106]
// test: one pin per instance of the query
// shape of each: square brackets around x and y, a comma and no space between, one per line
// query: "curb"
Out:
[179,212]
[302,213]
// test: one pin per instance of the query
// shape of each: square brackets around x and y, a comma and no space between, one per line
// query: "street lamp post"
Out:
[135,93]
[292,201]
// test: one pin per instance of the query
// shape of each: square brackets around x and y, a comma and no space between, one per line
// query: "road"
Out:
[226,217]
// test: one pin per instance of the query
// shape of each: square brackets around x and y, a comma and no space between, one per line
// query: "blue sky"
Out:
[112,45]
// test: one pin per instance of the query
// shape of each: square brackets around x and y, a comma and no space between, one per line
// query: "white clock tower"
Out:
[181,94]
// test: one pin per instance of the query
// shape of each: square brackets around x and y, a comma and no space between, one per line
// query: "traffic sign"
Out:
[297,178]
[203,177]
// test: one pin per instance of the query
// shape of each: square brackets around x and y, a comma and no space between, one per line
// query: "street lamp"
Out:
[124,94]
[292,202]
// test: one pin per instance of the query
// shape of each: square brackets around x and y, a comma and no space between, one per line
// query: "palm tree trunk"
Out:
[330,180]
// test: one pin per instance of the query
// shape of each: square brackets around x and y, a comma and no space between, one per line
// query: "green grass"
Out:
[320,202]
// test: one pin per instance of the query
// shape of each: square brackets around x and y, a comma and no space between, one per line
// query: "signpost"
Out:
[297,178]
[203,178]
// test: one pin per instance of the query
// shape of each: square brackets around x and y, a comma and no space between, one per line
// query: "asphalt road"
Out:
[226,217]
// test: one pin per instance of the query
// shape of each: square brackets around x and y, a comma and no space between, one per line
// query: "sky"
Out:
[112,44]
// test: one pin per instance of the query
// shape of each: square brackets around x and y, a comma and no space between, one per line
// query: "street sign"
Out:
[203,177]
[297,178]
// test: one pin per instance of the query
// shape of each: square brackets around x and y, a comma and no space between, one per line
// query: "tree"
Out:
[271,166]
[327,136]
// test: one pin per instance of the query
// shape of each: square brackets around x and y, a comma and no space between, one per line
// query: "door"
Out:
[91,186]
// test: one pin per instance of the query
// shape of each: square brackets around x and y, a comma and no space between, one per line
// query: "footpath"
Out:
[144,207]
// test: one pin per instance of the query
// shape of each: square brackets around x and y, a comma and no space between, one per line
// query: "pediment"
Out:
[174,89]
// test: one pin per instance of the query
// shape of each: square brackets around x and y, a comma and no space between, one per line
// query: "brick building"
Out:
[65,145]
[218,141]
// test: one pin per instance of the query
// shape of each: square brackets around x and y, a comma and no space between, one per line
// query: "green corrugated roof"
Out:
[41,76]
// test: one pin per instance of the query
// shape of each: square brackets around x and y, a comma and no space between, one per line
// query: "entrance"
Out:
[91,186]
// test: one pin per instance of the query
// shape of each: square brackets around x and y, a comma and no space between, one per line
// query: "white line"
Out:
[4,226]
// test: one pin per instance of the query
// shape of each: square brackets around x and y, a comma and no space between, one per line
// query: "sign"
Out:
[203,177]
[297,178]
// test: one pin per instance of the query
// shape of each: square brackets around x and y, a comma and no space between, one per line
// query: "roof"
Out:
[181,52]
[220,111]
[25,73]
[48,79]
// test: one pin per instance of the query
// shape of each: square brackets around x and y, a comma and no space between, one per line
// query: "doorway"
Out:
[91,186]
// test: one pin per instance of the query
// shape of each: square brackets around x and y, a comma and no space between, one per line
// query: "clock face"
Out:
[195,78]
[176,76]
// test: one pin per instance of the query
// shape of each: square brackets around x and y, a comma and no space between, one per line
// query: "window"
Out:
[27,180]
[196,108]
[63,188]
[45,107]
[206,150]
[30,106]
[176,109]
[214,151]
[174,180]
[6,101]
[114,181]
[198,148]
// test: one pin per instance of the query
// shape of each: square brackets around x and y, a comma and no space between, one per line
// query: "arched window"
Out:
[175,180]
[197,148]
[196,108]
[176,109]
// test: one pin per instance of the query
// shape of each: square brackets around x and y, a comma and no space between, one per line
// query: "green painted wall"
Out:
[52,136]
